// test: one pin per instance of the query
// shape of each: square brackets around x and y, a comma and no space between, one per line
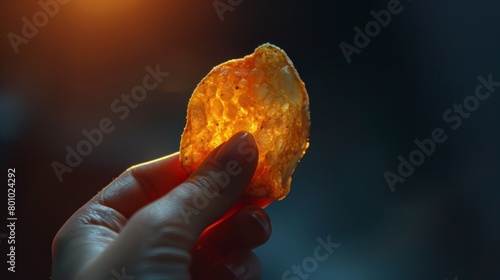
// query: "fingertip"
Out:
[263,220]
[218,183]
[239,153]
[246,201]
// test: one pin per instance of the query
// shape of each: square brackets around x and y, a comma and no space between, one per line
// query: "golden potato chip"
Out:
[263,94]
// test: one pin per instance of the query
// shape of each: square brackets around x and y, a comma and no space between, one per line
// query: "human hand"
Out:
[154,222]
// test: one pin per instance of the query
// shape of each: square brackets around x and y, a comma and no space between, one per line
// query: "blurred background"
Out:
[63,66]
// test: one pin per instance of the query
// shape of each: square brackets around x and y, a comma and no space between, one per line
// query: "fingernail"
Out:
[263,222]
[239,151]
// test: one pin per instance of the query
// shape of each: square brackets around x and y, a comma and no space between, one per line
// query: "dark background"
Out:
[443,222]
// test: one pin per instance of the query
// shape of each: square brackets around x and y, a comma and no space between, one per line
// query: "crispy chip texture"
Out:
[263,94]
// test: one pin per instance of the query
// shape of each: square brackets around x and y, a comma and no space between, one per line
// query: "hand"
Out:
[154,222]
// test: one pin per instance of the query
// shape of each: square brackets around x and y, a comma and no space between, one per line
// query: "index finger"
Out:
[142,184]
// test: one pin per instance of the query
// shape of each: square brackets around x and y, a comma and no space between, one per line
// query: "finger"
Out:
[245,230]
[205,196]
[240,266]
[245,201]
[141,184]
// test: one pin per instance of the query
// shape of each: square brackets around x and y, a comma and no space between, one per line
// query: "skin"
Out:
[137,227]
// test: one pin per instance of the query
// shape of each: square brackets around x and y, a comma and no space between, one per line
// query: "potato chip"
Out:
[263,94]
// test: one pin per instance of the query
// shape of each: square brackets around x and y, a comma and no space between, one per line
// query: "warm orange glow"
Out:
[105,7]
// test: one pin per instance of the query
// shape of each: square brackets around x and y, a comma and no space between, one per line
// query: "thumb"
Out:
[217,183]
[208,193]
